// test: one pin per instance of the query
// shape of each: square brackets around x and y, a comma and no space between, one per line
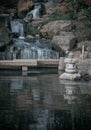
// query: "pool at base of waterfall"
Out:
[43,102]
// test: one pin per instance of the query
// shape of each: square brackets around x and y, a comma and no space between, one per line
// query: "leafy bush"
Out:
[33,30]
[83,30]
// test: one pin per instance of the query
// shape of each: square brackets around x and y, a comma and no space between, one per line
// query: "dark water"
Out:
[43,103]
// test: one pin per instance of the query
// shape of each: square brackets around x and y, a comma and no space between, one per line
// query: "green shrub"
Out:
[83,30]
[33,30]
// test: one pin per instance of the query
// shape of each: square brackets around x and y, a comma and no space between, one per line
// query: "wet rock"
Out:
[66,42]
[29,38]
[85,76]
[28,18]
[5,36]
[24,7]
[55,27]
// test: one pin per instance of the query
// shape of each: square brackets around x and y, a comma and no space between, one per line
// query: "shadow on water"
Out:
[42,102]
[31,71]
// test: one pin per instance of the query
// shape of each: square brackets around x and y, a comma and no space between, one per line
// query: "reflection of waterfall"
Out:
[17,27]
[41,117]
[24,50]
[16,85]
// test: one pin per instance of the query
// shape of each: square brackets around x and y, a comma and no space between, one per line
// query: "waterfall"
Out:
[35,12]
[24,50]
[17,27]
[21,49]
[26,54]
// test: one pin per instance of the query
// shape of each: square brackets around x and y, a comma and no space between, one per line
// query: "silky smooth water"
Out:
[35,12]
[42,102]
[38,49]
[17,27]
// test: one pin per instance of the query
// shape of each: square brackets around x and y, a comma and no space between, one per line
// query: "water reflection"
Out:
[71,91]
[44,103]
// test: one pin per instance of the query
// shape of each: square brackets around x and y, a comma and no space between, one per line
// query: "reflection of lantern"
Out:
[71,90]
[71,72]
[70,94]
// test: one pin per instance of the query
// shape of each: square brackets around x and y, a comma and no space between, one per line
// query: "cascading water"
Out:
[25,50]
[39,49]
[17,27]
[35,12]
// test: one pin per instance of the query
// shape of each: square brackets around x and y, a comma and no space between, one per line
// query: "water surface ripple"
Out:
[42,102]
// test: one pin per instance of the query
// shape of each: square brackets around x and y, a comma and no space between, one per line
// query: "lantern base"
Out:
[68,76]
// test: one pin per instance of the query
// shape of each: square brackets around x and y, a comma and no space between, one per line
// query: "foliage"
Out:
[72,6]
[83,30]
[33,30]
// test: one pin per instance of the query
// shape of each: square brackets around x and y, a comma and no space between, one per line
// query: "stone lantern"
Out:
[71,71]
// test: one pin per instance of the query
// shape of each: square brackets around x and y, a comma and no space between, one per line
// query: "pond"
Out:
[42,102]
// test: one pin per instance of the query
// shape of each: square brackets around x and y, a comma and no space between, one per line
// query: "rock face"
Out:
[5,36]
[66,41]
[24,5]
[55,27]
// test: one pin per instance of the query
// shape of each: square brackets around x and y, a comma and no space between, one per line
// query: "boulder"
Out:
[24,5]
[5,36]
[55,27]
[29,38]
[66,41]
